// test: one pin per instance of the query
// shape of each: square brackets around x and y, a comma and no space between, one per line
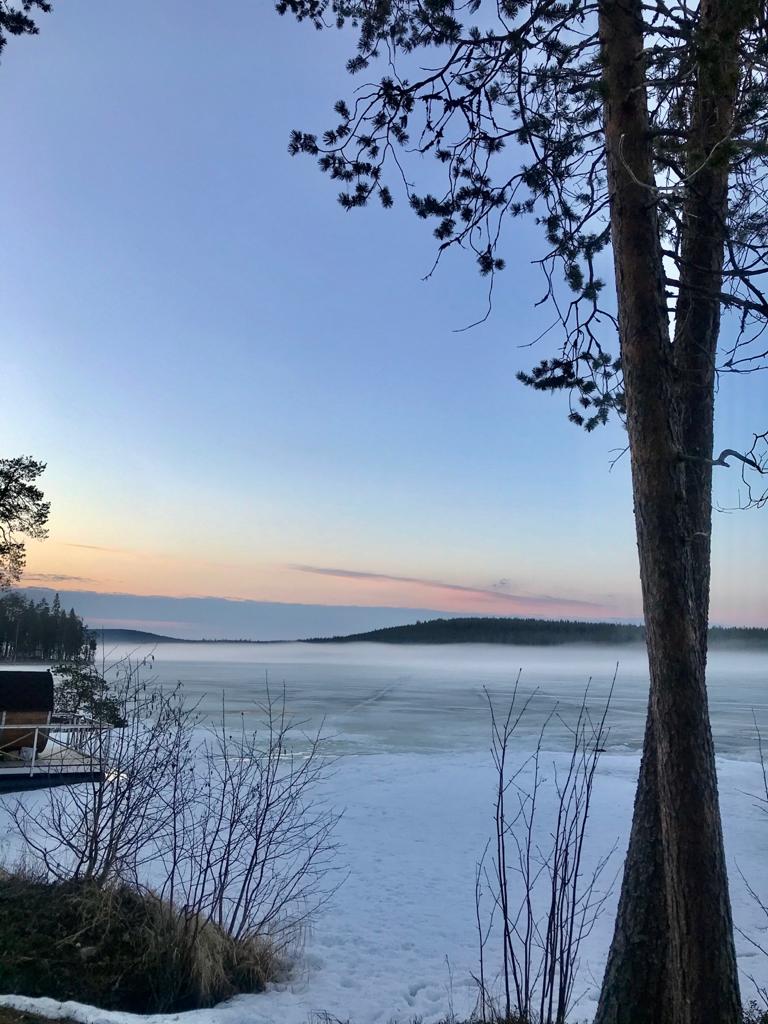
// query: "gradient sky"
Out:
[242,391]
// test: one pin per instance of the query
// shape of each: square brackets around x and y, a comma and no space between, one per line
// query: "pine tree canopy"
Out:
[507,97]
[17,20]
[23,513]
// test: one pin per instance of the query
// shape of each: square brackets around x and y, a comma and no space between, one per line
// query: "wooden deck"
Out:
[65,761]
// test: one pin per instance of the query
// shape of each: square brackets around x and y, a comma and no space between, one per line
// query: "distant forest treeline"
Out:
[40,631]
[528,631]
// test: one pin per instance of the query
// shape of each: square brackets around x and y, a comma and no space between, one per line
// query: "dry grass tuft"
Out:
[117,948]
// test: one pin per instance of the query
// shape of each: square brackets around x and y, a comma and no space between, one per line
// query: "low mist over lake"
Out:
[422,698]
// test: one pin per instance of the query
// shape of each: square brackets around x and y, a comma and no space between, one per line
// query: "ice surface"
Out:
[430,698]
[399,940]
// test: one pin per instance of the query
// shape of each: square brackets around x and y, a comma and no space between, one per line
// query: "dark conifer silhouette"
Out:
[17,19]
[32,631]
[544,632]
[23,514]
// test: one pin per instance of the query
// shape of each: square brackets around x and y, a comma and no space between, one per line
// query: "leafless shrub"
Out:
[544,901]
[224,825]
[758,900]
[251,848]
[764,770]
[102,831]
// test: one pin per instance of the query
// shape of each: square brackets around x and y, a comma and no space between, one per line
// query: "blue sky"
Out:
[232,380]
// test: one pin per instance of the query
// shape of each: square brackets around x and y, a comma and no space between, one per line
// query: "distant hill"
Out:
[538,632]
[140,636]
[496,631]
[533,632]
[134,636]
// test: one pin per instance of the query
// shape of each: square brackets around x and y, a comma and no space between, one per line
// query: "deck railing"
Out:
[66,748]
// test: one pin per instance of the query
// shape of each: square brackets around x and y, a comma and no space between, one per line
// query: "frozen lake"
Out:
[398,941]
[380,698]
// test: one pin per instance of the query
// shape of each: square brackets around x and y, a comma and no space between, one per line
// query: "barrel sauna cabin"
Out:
[26,701]
[40,750]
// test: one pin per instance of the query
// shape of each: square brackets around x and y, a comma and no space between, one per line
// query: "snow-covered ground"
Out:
[398,941]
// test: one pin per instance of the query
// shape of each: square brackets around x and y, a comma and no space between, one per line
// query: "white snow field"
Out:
[398,941]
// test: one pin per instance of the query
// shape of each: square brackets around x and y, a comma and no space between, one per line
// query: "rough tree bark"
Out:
[672,960]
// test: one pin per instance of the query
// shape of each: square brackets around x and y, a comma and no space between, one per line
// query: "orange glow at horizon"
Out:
[62,565]
[68,566]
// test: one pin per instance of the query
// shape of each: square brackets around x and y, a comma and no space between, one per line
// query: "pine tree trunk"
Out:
[672,960]
[634,989]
